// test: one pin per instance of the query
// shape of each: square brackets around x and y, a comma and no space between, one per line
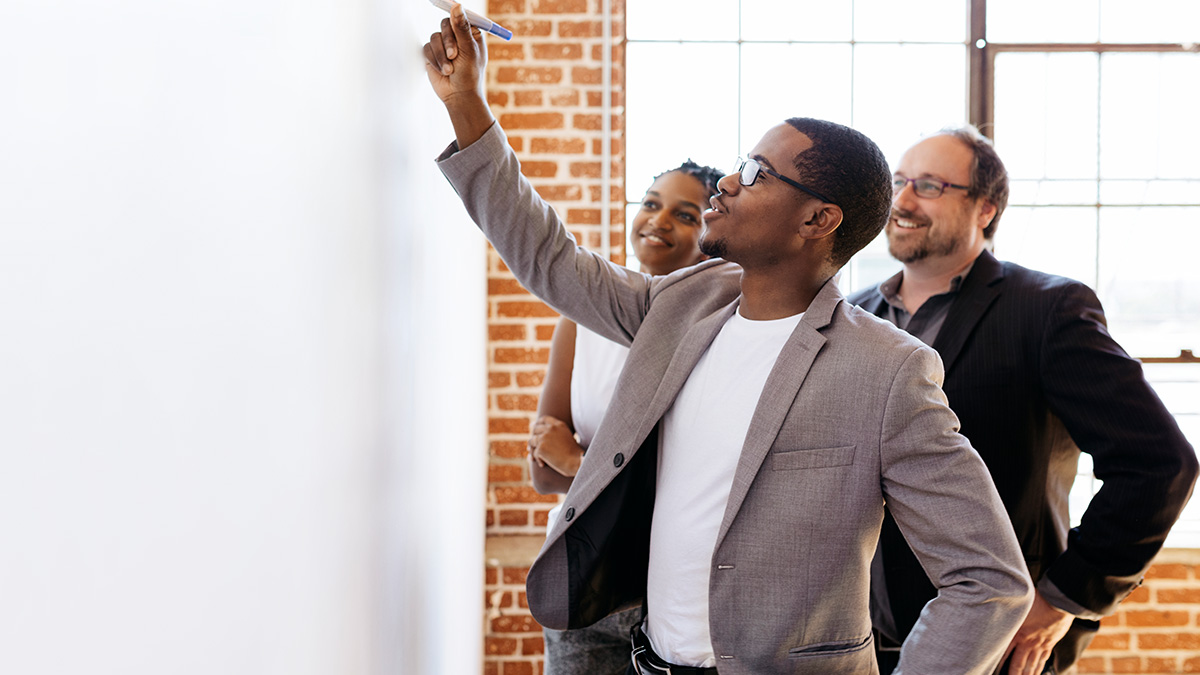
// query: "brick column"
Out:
[545,89]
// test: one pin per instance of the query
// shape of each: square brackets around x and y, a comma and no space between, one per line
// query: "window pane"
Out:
[1177,384]
[1086,486]
[1056,240]
[928,21]
[1147,115]
[676,116]
[827,21]
[887,105]
[869,266]
[1045,108]
[1178,192]
[681,20]
[1149,279]
[1149,20]
[1048,192]
[766,101]
[1041,21]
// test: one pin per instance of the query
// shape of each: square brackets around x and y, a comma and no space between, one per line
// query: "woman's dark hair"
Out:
[705,174]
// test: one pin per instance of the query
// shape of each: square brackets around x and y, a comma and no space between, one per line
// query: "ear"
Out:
[987,211]
[822,222]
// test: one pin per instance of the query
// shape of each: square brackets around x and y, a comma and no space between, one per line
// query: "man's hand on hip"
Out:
[1044,626]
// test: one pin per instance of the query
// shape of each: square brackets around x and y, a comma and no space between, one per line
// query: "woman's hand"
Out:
[553,444]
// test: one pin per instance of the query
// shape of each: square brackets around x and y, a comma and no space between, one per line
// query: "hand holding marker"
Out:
[478,20]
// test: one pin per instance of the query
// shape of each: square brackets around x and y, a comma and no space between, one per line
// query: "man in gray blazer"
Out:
[736,486]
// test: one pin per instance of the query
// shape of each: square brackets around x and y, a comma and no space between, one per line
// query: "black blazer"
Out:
[1035,377]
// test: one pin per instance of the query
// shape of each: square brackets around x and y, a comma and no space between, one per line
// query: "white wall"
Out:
[236,436]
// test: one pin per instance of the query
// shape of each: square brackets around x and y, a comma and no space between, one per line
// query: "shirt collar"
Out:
[890,288]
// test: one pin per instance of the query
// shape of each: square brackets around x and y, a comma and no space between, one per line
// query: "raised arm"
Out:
[526,232]
[455,61]
[554,455]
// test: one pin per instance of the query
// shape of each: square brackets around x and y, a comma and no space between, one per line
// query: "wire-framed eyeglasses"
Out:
[928,188]
[748,170]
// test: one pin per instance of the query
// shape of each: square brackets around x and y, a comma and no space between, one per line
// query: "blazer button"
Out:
[569,514]
[618,460]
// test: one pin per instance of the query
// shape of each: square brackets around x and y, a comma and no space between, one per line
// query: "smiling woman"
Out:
[666,237]
[665,232]
[580,382]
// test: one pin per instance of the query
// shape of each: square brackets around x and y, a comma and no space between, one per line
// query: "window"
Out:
[1090,106]
[706,79]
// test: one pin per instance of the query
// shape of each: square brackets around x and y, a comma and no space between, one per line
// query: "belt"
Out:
[646,662]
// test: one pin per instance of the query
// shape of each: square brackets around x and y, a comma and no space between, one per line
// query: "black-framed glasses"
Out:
[748,169]
[928,188]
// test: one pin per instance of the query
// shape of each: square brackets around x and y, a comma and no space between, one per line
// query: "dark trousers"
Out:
[599,649]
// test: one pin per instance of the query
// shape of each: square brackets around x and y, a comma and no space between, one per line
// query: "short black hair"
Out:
[705,174]
[989,178]
[851,170]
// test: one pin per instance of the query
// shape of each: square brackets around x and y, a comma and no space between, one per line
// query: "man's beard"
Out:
[939,243]
[939,247]
[713,248]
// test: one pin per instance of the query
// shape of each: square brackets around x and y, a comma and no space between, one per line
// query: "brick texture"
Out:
[545,88]
[513,641]
[1157,628]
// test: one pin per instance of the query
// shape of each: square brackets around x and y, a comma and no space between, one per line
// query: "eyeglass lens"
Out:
[924,187]
[748,170]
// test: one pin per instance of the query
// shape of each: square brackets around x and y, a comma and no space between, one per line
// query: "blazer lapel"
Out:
[693,345]
[979,290]
[779,395]
[691,348]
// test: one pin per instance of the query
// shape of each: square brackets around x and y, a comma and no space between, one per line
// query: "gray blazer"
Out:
[851,415]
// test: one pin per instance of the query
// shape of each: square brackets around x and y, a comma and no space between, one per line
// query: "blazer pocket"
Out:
[818,458]
[830,648]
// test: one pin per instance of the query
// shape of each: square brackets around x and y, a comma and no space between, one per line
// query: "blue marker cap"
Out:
[500,31]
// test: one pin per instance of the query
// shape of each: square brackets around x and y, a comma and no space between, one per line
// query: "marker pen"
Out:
[478,20]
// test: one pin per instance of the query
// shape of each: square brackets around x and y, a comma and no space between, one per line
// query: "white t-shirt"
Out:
[703,435]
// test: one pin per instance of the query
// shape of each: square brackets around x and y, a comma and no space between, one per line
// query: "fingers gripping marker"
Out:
[478,20]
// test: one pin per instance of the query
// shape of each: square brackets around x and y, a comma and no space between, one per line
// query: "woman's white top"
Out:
[598,362]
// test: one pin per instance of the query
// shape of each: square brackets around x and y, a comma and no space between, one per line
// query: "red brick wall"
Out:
[513,642]
[1157,628]
[545,88]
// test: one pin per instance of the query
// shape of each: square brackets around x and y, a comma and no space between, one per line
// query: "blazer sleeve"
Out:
[1137,449]
[531,239]
[942,497]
